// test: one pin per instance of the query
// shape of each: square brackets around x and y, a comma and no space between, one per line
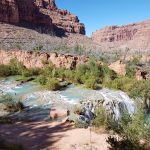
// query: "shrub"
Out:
[47,70]
[42,79]
[11,105]
[52,84]
[131,129]
[80,124]
[101,119]
[16,67]
[5,70]
[130,70]
[91,83]
[38,48]
[131,67]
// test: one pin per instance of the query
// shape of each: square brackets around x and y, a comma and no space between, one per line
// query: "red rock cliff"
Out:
[32,59]
[134,36]
[43,13]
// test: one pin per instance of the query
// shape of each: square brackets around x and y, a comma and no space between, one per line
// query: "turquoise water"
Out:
[74,94]
[9,86]
[39,102]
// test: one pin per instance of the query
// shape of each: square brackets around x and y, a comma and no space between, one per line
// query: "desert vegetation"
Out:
[10,104]
[91,75]
[130,129]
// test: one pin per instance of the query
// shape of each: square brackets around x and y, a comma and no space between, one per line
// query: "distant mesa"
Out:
[40,13]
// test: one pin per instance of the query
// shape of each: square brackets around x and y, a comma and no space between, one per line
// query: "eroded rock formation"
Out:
[118,67]
[134,36]
[43,13]
[32,59]
[63,20]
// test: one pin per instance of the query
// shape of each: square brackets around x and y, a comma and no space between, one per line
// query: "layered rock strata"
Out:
[133,36]
[40,13]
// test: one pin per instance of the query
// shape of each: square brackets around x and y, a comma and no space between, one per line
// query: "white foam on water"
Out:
[66,99]
[112,99]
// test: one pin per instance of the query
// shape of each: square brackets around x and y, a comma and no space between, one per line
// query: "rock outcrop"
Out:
[63,20]
[40,13]
[118,67]
[142,73]
[133,36]
[32,59]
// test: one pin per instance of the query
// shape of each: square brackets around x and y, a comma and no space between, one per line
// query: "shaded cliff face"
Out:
[42,13]
[134,36]
[32,59]
[9,11]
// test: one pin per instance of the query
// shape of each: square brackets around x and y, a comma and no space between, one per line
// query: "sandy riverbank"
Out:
[52,136]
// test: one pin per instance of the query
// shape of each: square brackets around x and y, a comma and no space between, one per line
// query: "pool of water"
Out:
[74,94]
[39,101]
[10,86]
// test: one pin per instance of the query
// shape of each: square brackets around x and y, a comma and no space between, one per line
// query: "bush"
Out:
[132,129]
[11,105]
[42,79]
[5,70]
[91,83]
[52,84]
[16,67]
[80,124]
[130,70]
[131,67]
[101,119]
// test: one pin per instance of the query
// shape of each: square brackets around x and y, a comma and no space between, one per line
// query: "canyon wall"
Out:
[32,59]
[40,13]
[133,36]
[9,11]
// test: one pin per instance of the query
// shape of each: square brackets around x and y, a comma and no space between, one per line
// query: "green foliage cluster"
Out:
[131,67]
[17,68]
[52,84]
[80,124]
[131,86]
[90,74]
[101,118]
[10,103]
[131,129]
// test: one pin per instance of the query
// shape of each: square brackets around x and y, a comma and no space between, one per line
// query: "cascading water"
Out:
[33,97]
[116,102]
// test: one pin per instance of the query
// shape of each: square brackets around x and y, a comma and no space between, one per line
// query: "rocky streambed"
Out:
[38,102]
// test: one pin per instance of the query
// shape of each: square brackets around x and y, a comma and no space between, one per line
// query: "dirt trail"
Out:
[52,136]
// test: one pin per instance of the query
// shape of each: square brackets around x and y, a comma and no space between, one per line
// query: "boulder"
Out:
[118,67]
[57,113]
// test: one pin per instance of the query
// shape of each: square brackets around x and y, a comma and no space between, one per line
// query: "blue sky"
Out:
[96,14]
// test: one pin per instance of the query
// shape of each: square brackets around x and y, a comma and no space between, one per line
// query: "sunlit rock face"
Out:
[32,59]
[42,13]
[135,36]
[118,67]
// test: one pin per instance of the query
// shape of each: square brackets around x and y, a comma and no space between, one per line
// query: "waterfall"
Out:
[116,102]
